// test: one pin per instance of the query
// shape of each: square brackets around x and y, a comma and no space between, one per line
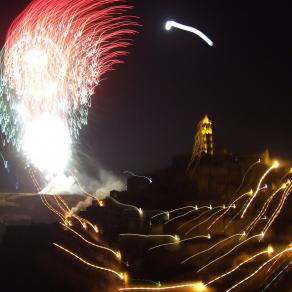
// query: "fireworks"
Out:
[56,52]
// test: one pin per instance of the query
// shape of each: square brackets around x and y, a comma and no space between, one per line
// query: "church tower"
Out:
[203,141]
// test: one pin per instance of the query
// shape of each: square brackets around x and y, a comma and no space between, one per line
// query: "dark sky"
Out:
[146,111]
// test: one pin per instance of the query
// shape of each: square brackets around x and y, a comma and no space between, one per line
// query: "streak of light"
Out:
[161,213]
[197,286]
[179,209]
[180,241]
[139,210]
[245,204]
[264,208]
[275,165]
[84,222]
[269,250]
[141,176]
[210,248]
[48,205]
[244,176]
[274,263]
[69,213]
[194,219]
[5,162]
[120,275]
[204,221]
[169,24]
[34,180]
[64,203]
[277,276]
[258,269]
[116,253]
[230,251]
[277,211]
[231,205]
[59,204]
[189,212]
[174,237]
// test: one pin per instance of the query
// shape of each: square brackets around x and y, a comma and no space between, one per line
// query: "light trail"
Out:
[269,250]
[5,162]
[139,210]
[210,248]
[169,24]
[180,241]
[230,251]
[68,213]
[59,204]
[194,219]
[244,205]
[204,221]
[179,209]
[285,195]
[174,237]
[197,286]
[46,203]
[120,275]
[277,276]
[183,215]
[63,202]
[258,269]
[161,213]
[264,208]
[189,212]
[274,263]
[34,180]
[141,176]
[244,176]
[231,205]
[275,165]
[116,253]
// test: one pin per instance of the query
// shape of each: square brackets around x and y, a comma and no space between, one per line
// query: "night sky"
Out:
[145,112]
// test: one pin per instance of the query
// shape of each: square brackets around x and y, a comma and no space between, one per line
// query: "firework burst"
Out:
[56,52]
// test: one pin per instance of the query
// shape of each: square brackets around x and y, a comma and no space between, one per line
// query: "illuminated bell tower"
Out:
[203,144]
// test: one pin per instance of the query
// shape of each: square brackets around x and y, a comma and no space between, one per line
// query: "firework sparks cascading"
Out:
[55,54]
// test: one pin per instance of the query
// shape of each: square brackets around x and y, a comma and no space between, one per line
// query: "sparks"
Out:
[56,52]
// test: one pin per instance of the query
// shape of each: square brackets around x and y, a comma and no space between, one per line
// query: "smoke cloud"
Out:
[82,184]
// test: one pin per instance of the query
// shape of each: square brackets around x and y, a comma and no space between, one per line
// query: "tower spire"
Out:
[203,141]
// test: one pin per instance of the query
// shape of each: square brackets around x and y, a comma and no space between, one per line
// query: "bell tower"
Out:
[203,141]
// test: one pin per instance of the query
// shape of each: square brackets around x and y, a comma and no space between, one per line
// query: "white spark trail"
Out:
[169,24]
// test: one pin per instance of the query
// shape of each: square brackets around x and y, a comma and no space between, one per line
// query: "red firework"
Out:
[56,52]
